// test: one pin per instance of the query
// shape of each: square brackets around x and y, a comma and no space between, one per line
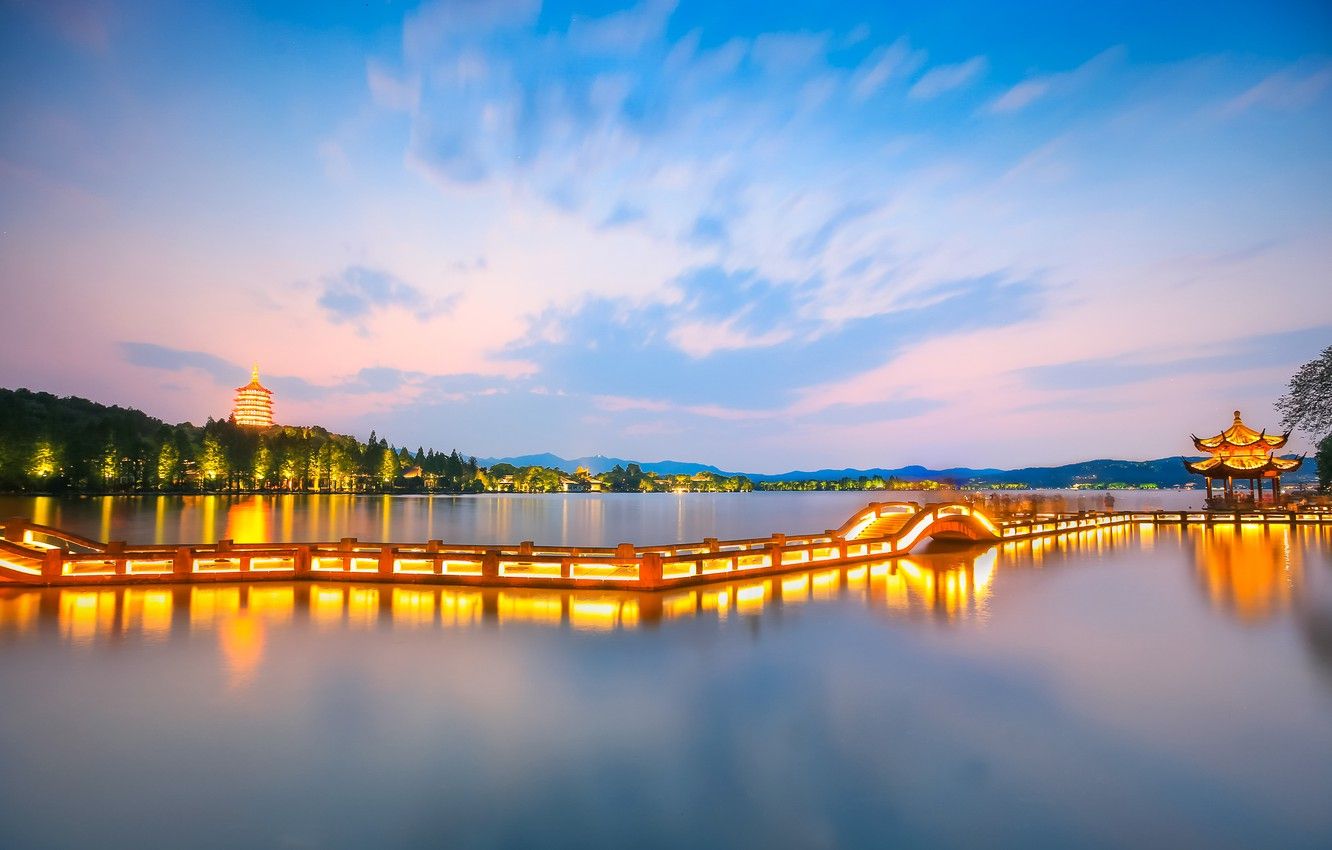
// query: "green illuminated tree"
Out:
[168,464]
[212,460]
[109,463]
[262,465]
[45,461]
[388,466]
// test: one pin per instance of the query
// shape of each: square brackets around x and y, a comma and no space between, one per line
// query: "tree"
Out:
[1324,460]
[388,466]
[45,461]
[109,462]
[1307,404]
[262,464]
[212,459]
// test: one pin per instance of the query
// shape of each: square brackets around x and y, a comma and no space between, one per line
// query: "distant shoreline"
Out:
[757,490]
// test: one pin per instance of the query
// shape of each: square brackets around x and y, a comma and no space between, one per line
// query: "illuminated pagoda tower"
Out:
[1241,453]
[254,403]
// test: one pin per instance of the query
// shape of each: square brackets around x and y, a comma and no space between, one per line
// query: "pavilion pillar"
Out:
[1276,490]
[1208,479]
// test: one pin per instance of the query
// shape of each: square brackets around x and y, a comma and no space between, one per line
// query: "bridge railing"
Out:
[45,555]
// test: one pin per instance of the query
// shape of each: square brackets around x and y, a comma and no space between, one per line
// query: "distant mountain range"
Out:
[1164,472]
[597,464]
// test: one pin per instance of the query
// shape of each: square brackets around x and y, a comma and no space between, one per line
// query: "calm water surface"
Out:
[1120,688]
[554,520]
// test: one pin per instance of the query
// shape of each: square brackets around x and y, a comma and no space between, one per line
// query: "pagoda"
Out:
[254,403]
[1241,453]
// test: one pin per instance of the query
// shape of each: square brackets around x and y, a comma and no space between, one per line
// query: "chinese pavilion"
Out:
[254,403]
[1241,453]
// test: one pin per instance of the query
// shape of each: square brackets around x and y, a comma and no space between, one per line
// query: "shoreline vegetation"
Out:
[57,446]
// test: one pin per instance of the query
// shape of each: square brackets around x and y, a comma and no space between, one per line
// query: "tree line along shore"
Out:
[50,444]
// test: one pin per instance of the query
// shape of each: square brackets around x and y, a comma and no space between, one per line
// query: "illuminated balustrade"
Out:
[459,568]
[530,569]
[711,566]
[603,571]
[671,570]
[41,555]
[158,566]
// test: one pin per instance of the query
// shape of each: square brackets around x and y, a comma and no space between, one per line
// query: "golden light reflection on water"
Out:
[952,586]
[1251,573]
[247,521]
[148,610]
[241,640]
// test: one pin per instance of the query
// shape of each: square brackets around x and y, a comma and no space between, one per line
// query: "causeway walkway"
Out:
[33,554]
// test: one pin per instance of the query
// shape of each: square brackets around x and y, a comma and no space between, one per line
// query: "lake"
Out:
[1128,687]
[554,520]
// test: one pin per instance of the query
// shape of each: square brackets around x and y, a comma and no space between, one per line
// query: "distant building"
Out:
[1240,453]
[254,403]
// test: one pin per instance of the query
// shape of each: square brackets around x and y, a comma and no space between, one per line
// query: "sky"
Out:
[767,235]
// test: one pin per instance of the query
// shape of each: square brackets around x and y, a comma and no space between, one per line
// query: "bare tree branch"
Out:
[1307,404]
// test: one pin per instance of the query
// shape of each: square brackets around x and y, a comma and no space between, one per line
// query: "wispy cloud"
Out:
[381,381]
[1032,89]
[623,32]
[390,91]
[152,356]
[735,215]
[945,78]
[356,293]
[885,63]
[788,52]
[1284,91]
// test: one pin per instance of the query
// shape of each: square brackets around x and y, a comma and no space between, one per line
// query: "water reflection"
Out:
[949,586]
[1249,571]
[1099,673]
[557,519]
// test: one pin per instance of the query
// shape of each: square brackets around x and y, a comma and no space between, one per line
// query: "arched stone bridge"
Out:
[40,555]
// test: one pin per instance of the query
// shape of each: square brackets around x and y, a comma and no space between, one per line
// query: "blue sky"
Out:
[760,235]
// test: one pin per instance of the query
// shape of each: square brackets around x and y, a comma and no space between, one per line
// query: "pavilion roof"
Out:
[254,383]
[1243,466]
[1239,435]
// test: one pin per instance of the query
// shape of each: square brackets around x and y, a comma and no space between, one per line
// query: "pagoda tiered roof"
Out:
[254,383]
[254,403]
[1241,452]
[1243,466]
[1238,436]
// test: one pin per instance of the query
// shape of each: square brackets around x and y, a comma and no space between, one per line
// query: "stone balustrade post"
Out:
[490,563]
[183,564]
[53,564]
[14,528]
[649,570]
[386,559]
